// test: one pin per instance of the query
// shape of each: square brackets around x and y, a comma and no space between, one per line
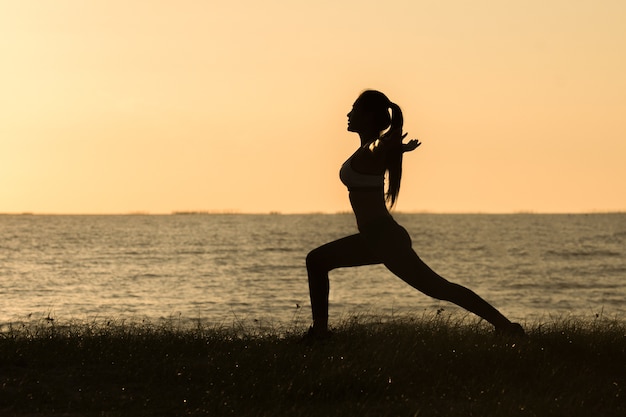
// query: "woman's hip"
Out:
[385,232]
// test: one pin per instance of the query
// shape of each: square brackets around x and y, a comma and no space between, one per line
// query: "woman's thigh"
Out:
[351,250]
[398,256]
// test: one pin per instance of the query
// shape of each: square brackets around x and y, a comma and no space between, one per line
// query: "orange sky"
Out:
[158,106]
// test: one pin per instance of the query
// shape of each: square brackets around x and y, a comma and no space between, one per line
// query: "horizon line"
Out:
[276,212]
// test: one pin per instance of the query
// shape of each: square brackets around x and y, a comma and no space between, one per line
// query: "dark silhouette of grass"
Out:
[429,366]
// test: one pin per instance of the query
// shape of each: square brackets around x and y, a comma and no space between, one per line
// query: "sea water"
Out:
[221,268]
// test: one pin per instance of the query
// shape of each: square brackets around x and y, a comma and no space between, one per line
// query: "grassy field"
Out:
[427,366]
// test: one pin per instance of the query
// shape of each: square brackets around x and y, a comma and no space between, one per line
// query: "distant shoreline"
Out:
[278,213]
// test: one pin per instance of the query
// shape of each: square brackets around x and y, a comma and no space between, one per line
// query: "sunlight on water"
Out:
[224,268]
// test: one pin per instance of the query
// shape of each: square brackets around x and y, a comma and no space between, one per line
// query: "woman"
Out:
[380,238]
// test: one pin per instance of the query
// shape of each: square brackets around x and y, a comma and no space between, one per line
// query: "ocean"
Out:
[240,268]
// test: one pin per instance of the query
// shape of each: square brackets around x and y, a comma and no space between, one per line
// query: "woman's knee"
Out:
[448,291]
[315,260]
[437,287]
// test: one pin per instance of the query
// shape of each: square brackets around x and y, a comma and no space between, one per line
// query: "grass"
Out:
[428,366]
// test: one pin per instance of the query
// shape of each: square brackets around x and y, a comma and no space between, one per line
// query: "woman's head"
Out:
[371,112]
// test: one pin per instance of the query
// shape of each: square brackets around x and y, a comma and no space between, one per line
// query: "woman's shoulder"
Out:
[370,158]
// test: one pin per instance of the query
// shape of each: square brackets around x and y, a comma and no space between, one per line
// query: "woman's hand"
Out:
[411,145]
[395,135]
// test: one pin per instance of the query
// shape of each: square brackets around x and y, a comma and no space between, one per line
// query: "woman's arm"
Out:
[396,135]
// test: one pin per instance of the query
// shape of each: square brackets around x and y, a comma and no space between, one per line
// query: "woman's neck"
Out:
[367,137]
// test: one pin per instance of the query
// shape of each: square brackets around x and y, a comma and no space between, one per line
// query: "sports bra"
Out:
[357,181]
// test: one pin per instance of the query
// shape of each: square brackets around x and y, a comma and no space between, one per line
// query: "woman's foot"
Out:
[511,330]
[316,334]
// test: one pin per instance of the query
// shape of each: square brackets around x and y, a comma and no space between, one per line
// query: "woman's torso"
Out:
[363,174]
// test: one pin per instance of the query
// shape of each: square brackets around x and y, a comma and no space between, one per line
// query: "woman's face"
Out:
[357,118]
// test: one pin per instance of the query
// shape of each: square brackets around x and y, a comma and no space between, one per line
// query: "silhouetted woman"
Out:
[380,238]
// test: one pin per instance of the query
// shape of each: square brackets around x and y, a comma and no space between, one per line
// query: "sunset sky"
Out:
[156,106]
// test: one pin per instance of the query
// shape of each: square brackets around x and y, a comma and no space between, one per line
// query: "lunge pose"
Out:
[380,238]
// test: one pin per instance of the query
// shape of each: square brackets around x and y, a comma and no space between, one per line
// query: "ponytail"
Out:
[393,161]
